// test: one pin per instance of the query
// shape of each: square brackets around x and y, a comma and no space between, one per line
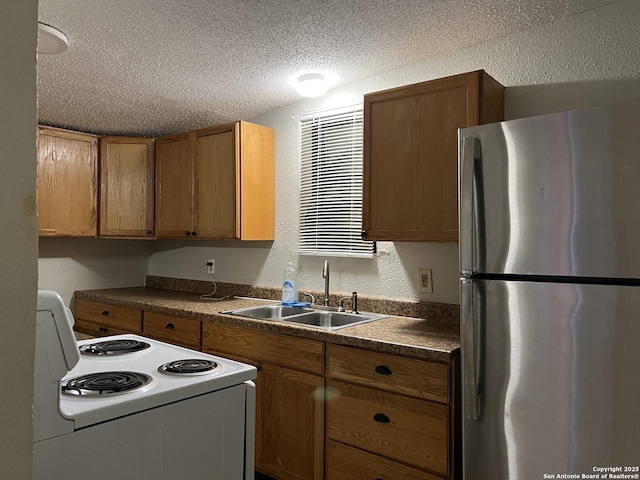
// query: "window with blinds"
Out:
[331,185]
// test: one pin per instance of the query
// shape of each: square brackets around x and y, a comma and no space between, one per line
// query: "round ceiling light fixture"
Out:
[312,85]
[51,40]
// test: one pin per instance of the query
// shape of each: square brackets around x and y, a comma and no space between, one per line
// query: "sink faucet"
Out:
[325,275]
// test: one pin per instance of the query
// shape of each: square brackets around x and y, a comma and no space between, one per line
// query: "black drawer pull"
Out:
[103,330]
[381,417]
[383,370]
[105,313]
[170,326]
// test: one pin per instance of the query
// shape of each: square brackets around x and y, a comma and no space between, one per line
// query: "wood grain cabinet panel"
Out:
[389,416]
[185,332]
[97,318]
[409,430]
[67,185]
[216,182]
[126,187]
[283,350]
[174,186]
[410,154]
[289,427]
[408,376]
[290,397]
[349,463]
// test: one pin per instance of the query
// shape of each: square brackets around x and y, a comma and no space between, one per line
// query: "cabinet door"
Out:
[410,155]
[67,183]
[257,182]
[216,215]
[126,187]
[289,430]
[174,186]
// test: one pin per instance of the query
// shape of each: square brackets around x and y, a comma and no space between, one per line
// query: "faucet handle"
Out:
[341,303]
[311,297]
[354,302]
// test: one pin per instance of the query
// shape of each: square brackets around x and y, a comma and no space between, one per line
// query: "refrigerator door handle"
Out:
[470,152]
[469,349]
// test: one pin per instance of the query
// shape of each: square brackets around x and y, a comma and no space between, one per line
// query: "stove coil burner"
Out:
[105,383]
[196,366]
[114,347]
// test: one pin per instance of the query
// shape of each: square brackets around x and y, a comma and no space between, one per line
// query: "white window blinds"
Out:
[331,185]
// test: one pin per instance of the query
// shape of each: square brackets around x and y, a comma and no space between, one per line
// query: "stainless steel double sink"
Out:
[309,317]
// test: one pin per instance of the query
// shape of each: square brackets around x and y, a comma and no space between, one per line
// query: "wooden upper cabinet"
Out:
[174,186]
[215,186]
[126,187]
[217,182]
[410,154]
[67,183]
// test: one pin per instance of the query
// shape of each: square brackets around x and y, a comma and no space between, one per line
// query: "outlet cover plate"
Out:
[425,282]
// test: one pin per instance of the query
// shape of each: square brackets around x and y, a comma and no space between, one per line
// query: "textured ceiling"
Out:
[150,68]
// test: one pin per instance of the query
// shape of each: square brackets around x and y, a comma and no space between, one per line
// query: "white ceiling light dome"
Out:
[51,40]
[312,85]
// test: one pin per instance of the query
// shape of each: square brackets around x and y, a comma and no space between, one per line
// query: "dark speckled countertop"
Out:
[428,338]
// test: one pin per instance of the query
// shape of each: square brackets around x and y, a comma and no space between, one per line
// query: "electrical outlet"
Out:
[425,283]
[211,266]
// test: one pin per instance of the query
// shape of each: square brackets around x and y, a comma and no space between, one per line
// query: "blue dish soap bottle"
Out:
[290,285]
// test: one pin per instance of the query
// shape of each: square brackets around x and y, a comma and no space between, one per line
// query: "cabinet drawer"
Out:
[348,463]
[281,350]
[168,328]
[115,317]
[95,329]
[406,429]
[409,376]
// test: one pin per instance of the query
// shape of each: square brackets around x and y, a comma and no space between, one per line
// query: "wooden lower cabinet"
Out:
[102,319]
[350,463]
[169,328]
[290,394]
[405,429]
[289,427]
[389,416]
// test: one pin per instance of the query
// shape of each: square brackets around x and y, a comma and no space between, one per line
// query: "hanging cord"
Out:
[210,296]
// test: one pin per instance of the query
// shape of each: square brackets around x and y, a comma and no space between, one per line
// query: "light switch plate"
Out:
[425,282]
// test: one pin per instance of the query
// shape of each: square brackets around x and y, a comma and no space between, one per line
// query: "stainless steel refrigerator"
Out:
[550,295]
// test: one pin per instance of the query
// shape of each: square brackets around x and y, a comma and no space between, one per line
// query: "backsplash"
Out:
[428,310]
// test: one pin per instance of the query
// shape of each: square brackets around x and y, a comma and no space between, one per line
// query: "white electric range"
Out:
[130,407]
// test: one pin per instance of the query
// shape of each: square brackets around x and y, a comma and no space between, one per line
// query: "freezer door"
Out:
[553,195]
[557,379]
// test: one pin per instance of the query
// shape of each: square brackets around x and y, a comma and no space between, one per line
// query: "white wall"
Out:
[69,264]
[584,60]
[18,235]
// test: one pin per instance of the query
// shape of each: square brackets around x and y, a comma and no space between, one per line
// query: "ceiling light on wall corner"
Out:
[51,40]
[312,85]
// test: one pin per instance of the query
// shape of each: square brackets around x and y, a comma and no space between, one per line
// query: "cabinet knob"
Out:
[148,232]
[381,418]
[383,370]
[188,233]
[170,326]
[102,330]
[105,313]
[363,233]
[193,234]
